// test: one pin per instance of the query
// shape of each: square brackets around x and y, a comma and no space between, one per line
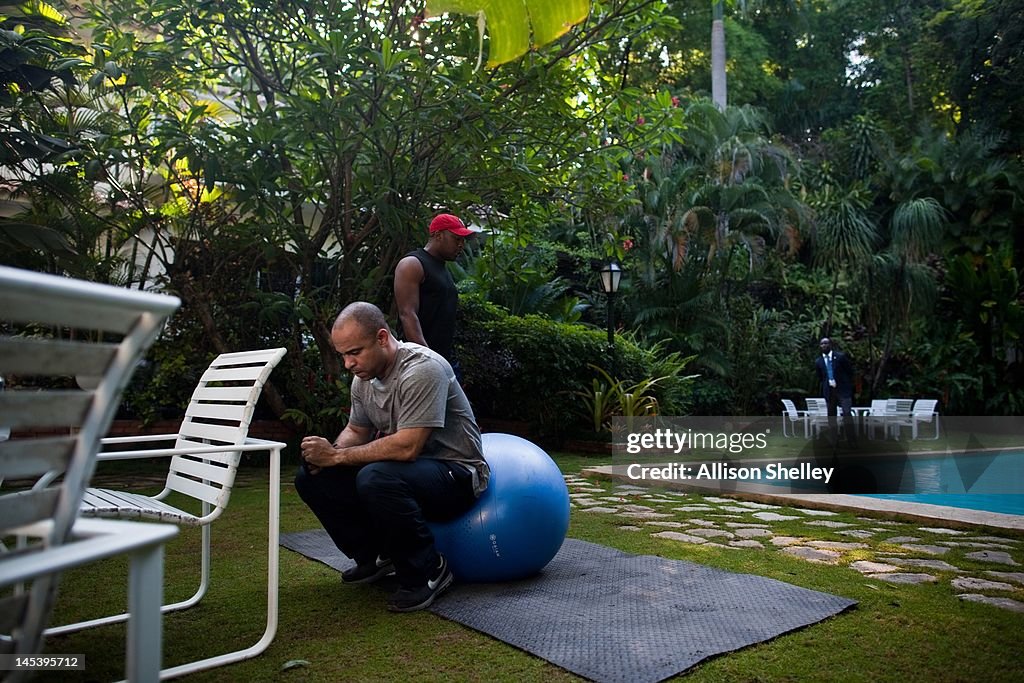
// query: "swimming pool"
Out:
[991,481]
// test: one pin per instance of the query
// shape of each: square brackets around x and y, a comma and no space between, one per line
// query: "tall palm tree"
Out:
[899,280]
[844,237]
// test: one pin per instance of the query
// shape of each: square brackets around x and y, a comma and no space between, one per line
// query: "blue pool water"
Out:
[1006,503]
[989,481]
[994,482]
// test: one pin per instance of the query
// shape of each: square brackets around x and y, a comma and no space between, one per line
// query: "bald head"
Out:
[366,317]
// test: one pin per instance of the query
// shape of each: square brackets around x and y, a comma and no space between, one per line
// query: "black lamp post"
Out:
[610,276]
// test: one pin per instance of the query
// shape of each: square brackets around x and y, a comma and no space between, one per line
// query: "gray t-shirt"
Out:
[421,391]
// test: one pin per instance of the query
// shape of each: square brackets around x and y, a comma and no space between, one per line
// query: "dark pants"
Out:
[835,402]
[382,509]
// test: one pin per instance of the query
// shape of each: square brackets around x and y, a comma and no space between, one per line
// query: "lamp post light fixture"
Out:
[610,276]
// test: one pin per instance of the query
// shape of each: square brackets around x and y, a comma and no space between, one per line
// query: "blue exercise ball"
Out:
[518,523]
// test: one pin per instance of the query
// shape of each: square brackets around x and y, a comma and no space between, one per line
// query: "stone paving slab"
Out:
[1016,577]
[857,533]
[643,515]
[755,505]
[867,567]
[991,539]
[590,502]
[774,517]
[942,531]
[752,532]
[974,544]
[900,577]
[679,536]
[783,541]
[637,508]
[924,548]
[712,533]
[938,565]
[997,556]
[813,554]
[838,545]
[971,583]
[1002,603]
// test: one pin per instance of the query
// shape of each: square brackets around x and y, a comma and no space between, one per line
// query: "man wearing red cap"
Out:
[425,292]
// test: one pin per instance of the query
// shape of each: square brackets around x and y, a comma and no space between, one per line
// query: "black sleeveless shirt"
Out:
[438,301]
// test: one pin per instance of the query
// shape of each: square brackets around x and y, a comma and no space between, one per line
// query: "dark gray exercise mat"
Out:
[611,616]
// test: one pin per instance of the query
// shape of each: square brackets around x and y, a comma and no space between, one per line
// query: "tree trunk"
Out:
[718,82]
[908,79]
[832,304]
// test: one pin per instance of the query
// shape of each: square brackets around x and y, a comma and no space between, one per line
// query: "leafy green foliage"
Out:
[509,22]
[521,278]
[533,368]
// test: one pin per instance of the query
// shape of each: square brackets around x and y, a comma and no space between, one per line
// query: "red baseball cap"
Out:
[452,224]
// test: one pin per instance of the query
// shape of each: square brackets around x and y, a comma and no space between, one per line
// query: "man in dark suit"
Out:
[835,374]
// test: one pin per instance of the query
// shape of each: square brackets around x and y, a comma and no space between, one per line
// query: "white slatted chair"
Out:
[792,417]
[53,329]
[898,415]
[203,463]
[817,415]
[924,412]
[876,417]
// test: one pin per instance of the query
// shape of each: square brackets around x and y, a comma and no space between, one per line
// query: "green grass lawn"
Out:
[344,633]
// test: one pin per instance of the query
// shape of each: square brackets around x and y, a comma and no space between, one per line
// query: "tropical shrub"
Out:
[533,368]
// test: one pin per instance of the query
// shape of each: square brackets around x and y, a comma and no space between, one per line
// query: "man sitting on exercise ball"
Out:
[411,452]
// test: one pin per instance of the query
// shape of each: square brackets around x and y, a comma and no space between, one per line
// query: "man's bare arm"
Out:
[353,435]
[404,445]
[408,276]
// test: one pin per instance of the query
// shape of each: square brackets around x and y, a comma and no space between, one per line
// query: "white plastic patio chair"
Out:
[924,412]
[792,417]
[203,463]
[53,329]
